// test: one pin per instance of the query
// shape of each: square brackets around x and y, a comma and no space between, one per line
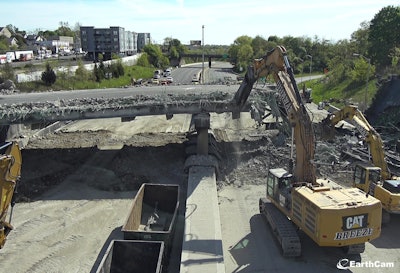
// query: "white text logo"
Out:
[346,264]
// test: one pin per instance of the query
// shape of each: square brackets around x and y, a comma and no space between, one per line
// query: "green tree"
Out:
[14,30]
[47,33]
[238,55]
[97,74]
[117,69]
[102,68]
[395,56]
[81,73]
[362,71]
[176,48]
[243,40]
[3,43]
[384,35]
[65,30]
[163,61]
[155,56]
[359,39]
[49,76]
[173,53]
[120,68]
[245,56]
[143,60]
[259,45]
[7,72]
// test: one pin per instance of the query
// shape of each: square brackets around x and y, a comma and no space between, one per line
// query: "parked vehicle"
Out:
[167,72]
[195,79]
[19,55]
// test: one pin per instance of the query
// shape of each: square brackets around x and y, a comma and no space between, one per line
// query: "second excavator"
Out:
[329,214]
[373,177]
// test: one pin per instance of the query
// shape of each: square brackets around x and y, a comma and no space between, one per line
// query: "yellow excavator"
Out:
[10,172]
[373,177]
[329,214]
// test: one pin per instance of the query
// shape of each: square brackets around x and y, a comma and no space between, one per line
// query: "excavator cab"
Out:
[279,184]
[366,177]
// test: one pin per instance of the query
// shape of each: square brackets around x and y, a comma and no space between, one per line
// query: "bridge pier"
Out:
[202,238]
[202,124]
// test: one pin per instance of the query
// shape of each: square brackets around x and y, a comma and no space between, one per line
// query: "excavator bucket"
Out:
[325,130]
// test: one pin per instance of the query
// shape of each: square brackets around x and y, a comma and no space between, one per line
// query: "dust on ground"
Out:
[77,187]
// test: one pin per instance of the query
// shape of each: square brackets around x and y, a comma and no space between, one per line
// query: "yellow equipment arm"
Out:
[10,171]
[370,135]
[276,63]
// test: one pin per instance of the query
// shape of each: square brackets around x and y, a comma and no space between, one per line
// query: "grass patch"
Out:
[68,82]
[340,94]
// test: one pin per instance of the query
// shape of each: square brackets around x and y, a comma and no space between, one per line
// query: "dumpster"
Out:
[153,213]
[127,256]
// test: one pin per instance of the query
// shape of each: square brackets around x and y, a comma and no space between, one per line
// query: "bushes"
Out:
[49,76]
[114,70]
[7,73]
[81,73]
[83,78]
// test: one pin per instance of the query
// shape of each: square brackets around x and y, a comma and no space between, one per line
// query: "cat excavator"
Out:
[10,172]
[328,213]
[373,177]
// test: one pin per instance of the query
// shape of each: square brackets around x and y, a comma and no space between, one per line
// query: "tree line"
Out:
[375,46]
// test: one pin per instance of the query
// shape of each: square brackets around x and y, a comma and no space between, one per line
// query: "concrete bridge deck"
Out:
[126,103]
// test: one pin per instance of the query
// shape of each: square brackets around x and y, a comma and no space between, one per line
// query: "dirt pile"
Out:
[49,160]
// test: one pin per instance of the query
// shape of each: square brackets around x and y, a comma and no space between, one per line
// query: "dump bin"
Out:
[127,256]
[153,213]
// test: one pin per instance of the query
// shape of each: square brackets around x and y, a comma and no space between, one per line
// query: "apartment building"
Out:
[108,41]
[143,40]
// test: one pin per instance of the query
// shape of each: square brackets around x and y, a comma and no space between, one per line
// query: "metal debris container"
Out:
[153,213]
[124,256]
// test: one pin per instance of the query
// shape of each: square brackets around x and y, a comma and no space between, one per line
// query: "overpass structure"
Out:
[127,103]
[207,56]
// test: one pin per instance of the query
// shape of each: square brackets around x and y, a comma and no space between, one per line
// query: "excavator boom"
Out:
[10,171]
[273,61]
[276,63]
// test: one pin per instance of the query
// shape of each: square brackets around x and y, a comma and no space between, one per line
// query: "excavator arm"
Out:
[276,63]
[370,135]
[272,62]
[10,171]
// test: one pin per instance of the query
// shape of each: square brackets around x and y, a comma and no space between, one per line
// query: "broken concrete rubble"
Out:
[7,87]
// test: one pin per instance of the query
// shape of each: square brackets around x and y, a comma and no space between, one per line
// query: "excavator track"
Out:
[283,229]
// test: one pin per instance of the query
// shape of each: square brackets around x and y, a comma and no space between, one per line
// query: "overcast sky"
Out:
[223,20]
